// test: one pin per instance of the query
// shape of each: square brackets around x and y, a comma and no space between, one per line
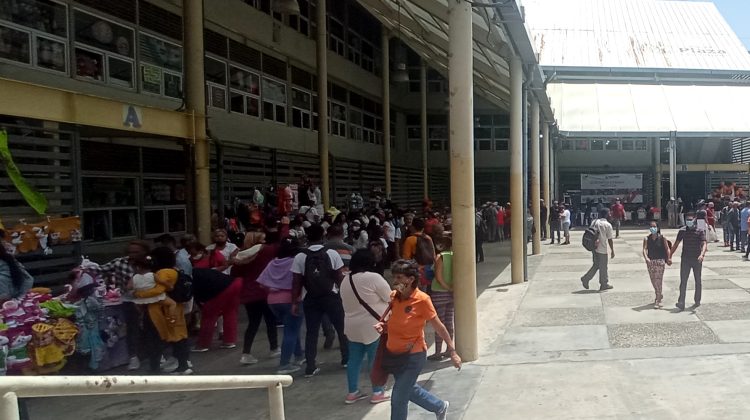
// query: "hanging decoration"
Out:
[35,200]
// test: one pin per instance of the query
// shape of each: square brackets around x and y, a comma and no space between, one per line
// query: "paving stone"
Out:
[646,314]
[562,301]
[559,316]
[660,335]
[725,295]
[559,338]
[724,311]
[630,299]
[734,331]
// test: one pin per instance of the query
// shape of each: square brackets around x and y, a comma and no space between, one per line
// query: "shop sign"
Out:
[132,116]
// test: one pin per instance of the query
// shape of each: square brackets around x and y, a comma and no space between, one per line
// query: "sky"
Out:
[737,13]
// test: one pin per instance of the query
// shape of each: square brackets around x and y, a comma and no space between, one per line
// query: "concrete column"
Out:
[673,165]
[657,172]
[536,196]
[546,195]
[195,104]
[423,127]
[518,211]
[321,48]
[461,81]
[386,112]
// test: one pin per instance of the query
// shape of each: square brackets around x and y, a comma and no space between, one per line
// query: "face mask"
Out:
[399,287]
[355,228]
[653,230]
[690,223]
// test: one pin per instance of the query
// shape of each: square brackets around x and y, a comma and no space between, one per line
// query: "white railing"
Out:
[14,387]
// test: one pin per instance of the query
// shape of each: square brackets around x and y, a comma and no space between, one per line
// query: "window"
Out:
[437,138]
[216,83]
[301,106]
[104,50]
[627,144]
[164,206]
[110,208]
[370,128]
[355,124]
[483,137]
[336,36]
[245,91]
[641,145]
[567,144]
[301,22]
[597,144]
[34,32]
[161,68]
[274,100]
[354,50]
[582,145]
[337,122]
[368,56]
[611,144]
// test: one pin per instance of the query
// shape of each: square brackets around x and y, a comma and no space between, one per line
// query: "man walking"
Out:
[618,214]
[693,251]
[543,222]
[600,258]
[734,226]
[672,212]
[744,215]
[554,222]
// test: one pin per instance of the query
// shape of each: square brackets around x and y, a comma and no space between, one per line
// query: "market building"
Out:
[649,92]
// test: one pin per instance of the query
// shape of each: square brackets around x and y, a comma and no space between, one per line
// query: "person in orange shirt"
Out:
[410,310]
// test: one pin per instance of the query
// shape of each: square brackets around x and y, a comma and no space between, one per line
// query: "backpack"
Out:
[425,251]
[183,288]
[319,277]
[590,238]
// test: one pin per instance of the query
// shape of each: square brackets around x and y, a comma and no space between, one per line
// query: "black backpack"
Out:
[319,275]
[590,238]
[183,288]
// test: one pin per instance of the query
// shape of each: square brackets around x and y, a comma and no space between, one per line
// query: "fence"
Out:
[12,388]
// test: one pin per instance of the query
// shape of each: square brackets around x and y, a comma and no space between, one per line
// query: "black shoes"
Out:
[585,283]
[606,287]
[680,306]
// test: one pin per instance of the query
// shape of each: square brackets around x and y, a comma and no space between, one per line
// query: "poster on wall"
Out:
[608,187]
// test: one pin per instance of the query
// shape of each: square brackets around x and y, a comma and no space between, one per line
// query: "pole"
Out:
[673,164]
[546,195]
[525,165]
[386,112]
[423,127]
[321,48]
[276,402]
[461,82]
[195,103]
[516,170]
[657,172]
[9,406]
[536,195]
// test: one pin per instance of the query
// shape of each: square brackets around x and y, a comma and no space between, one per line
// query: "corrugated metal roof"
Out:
[631,108]
[653,34]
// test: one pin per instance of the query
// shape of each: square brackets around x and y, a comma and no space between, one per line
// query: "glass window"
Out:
[597,144]
[50,54]
[244,81]
[567,144]
[274,100]
[151,79]
[582,145]
[160,53]
[172,85]
[611,144]
[103,34]
[163,192]
[176,220]
[627,144]
[89,64]
[41,15]
[217,97]
[108,192]
[124,223]
[485,144]
[154,222]
[502,132]
[96,225]
[15,45]
[641,145]
[483,132]
[216,71]
[501,145]
[120,72]
[109,208]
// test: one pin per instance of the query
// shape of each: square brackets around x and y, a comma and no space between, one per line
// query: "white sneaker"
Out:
[134,363]
[168,364]
[248,359]
[288,369]
[187,371]
[275,353]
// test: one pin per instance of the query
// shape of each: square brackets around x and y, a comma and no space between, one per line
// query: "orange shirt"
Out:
[409,248]
[406,322]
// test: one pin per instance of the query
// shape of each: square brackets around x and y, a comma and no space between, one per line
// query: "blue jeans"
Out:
[290,343]
[405,389]
[357,353]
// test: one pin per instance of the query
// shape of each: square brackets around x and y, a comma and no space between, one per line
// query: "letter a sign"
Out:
[132,116]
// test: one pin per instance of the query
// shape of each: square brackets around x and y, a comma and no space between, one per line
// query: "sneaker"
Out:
[313,373]
[187,371]
[275,353]
[248,359]
[228,346]
[168,365]
[288,369]
[606,287]
[134,363]
[379,397]
[353,397]
[299,362]
[199,349]
[443,414]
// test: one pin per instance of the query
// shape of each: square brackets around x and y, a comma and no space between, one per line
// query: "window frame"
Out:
[106,55]
[274,103]
[33,36]
[163,70]
[111,208]
[302,112]
[244,94]
[211,85]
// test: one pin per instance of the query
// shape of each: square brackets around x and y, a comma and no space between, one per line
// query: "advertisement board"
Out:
[608,187]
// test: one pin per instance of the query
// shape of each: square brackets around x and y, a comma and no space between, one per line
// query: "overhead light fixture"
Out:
[286,7]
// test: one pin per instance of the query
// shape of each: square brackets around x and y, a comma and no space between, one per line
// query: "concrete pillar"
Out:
[518,211]
[423,127]
[386,112]
[546,195]
[321,48]
[461,80]
[195,104]
[536,196]
[657,172]
[673,165]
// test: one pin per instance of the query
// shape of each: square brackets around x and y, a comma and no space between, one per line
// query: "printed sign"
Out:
[608,187]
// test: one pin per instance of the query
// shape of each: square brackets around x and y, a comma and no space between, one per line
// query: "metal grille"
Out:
[123,9]
[160,20]
[274,67]
[301,78]
[741,150]
[215,43]
[243,54]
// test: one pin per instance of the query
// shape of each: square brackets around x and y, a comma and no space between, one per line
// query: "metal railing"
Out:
[14,387]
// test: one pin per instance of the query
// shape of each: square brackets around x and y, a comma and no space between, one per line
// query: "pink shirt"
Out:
[279,296]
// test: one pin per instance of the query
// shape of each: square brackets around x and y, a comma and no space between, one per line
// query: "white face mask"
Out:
[355,228]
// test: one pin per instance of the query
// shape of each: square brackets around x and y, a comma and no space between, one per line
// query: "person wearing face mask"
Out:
[359,237]
[693,251]
[409,311]
[656,253]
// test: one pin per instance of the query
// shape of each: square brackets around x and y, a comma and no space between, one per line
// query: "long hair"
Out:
[16,274]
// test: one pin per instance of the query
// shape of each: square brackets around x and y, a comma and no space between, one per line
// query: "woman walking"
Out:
[365,295]
[442,293]
[656,254]
[410,310]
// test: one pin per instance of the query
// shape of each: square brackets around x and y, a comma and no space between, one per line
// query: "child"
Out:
[442,292]
[144,279]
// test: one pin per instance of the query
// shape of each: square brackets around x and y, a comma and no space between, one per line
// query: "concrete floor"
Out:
[549,349]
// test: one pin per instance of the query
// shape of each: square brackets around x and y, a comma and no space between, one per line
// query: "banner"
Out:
[608,187]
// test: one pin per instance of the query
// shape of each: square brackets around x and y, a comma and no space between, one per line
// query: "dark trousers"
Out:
[478,244]
[555,226]
[735,238]
[255,312]
[315,308]
[600,262]
[696,266]
[155,347]
[544,229]
[133,327]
